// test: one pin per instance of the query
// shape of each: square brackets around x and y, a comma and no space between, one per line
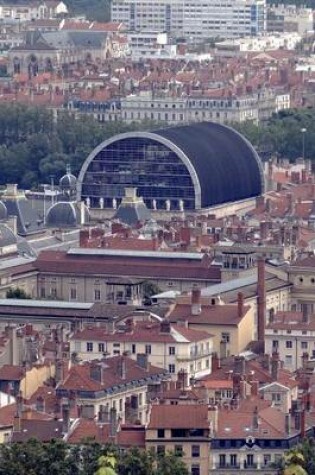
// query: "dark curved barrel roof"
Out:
[226,164]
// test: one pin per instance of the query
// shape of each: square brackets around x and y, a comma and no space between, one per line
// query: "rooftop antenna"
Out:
[68,169]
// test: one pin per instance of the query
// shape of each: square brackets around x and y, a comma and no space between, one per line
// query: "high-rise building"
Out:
[193,19]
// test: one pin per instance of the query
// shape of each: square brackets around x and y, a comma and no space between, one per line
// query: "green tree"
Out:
[17,293]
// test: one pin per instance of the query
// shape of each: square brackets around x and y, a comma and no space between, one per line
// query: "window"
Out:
[171,368]
[288,344]
[140,399]
[178,450]
[53,292]
[288,360]
[148,349]
[225,336]
[195,469]
[222,461]
[97,294]
[101,348]
[195,450]
[304,345]
[120,405]
[89,346]
[276,397]
[42,292]
[171,350]
[275,344]
[160,450]
[133,349]
[73,293]
[233,460]
[161,433]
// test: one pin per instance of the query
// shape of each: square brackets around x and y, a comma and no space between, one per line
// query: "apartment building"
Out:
[291,335]
[117,383]
[290,18]
[191,19]
[172,347]
[183,429]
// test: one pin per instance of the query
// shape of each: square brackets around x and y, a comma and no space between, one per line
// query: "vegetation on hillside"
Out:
[60,458]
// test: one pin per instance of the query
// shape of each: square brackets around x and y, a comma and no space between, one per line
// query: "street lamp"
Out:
[303,131]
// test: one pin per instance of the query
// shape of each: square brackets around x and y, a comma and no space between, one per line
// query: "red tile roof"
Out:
[210,314]
[11,373]
[190,416]
[87,429]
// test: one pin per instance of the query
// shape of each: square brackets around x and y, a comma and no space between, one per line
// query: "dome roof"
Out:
[65,214]
[193,166]
[7,236]
[68,182]
[3,211]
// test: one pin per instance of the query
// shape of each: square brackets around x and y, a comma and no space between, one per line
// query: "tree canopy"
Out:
[59,458]
[34,146]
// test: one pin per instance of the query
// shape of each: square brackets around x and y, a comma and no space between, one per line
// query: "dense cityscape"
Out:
[157,237]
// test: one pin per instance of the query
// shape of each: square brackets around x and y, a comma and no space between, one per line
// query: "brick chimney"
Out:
[261,304]
[240,304]
[215,363]
[275,366]
[195,301]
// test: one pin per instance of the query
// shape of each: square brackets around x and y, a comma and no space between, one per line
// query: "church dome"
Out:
[66,214]
[3,211]
[7,236]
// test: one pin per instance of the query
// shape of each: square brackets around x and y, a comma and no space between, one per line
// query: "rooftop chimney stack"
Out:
[275,366]
[261,304]
[240,304]
[195,301]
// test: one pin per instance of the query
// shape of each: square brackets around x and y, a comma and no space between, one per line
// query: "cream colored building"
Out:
[183,429]
[172,347]
[117,383]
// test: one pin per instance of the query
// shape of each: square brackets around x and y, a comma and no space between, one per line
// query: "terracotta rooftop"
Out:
[11,373]
[190,416]
[79,377]
[143,332]
[210,314]
[89,430]
[291,321]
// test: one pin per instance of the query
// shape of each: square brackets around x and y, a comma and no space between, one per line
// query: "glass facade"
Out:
[155,170]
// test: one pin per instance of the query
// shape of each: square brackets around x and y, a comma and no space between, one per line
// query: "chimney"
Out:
[182,379]
[275,366]
[260,202]
[195,301]
[254,388]
[287,423]
[122,367]
[304,176]
[165,326]
[103,414]
[112,422]
[261,304]
[223,349]
[142,361]
[129,325]
[266,362]
[40,404]
[243,389]
[59,371]
[96,372]
[215,363]
[255,418]
[263,230]
[240,304]
[305,357]
[297,420]
[239,365]
[65,417]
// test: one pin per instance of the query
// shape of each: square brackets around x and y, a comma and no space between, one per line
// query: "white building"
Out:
[194,20]
[150,45]
[233,47]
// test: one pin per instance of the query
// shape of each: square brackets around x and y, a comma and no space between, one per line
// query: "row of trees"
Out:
[34,145]
[59,458]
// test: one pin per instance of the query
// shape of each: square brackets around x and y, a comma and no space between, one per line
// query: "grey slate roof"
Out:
[65,215]
[29,220]
[79,39]
[132,213]
[227,166]
[7,237]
